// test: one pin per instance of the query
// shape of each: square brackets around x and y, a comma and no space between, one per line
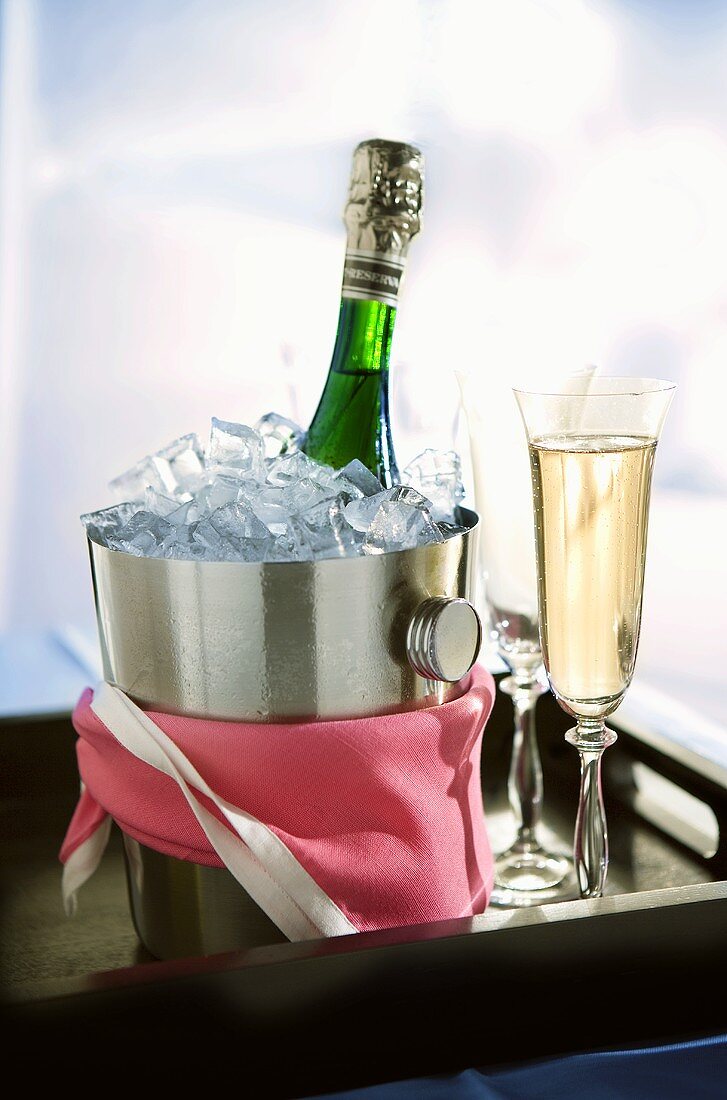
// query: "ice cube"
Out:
[265,494]
[291,546]
[223,489]
[99,525]
[361,513]
[297,467]
[238,521]
[258,497]
[438,476]
[236,449]
[280,436]
[143,535]
[410,496]
[266,501]
[132,484]
[343,488]
[360,476]
[282,549]
[184,515]
[233,533]
[187,551]
[180,465]
[213,546]
[275,517]
[159,503]
[298,496]
[400,526]
[449,530]
[290,495]
[187,545]
[324,529]
[181,543]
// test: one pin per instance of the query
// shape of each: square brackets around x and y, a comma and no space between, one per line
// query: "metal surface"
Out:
[444,638]
[186,909]
[383,211]
[259,642]
[183,909]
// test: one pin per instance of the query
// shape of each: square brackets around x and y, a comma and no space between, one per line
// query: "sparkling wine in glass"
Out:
[591,490]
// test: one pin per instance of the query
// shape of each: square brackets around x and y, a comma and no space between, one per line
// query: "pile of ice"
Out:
[253,495]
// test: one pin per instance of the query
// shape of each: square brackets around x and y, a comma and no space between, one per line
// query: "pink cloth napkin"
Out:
[384,814]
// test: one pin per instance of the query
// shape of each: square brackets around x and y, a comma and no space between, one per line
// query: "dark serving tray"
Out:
[644,964]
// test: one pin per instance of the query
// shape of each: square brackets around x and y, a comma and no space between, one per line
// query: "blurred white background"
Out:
[172,176]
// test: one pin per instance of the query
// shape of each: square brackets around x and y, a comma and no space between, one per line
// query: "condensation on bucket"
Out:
[258,642]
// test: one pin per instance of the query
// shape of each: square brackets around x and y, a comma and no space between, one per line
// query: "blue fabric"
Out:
[696,1070]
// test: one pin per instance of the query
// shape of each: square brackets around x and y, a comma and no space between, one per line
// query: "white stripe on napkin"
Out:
[254,854]
[82,863]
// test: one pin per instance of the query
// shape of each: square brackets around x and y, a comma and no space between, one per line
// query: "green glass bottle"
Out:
[382,215]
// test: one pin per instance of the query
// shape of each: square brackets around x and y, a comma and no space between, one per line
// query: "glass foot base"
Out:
[531,876]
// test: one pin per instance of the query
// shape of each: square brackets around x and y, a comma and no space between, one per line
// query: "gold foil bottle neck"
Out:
[384,205]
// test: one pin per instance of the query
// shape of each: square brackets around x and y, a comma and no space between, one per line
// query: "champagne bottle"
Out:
[381,216]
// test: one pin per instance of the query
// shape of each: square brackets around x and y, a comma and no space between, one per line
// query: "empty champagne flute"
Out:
[591,487]
[529,871]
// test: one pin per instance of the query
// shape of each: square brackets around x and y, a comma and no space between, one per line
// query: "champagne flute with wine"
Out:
[530,869]
[591,490]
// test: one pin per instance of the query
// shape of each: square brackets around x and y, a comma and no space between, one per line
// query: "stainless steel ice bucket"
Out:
[253,642]
[262,642]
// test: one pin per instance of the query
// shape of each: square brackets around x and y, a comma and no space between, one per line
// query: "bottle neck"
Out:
[352,418]
[363,339]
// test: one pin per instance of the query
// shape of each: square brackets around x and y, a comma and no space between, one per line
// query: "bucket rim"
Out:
[471,518]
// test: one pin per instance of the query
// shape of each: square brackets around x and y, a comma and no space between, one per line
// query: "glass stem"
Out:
[590,845]
[525,783]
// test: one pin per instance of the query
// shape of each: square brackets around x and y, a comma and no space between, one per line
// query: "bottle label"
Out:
[372,276]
